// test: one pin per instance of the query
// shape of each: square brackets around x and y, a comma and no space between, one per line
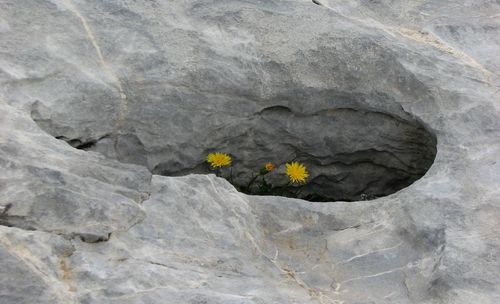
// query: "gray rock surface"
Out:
[48,185]
[368,94]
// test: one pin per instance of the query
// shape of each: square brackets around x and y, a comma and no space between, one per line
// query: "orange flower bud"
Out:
[269,167]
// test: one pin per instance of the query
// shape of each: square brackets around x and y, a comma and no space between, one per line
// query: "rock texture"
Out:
[96,96]
[315,98]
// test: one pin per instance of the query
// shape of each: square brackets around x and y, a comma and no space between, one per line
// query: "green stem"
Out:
[251,182]
[263,188]
[298,192]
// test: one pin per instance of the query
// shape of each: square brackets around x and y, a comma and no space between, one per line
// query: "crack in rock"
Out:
[123,109]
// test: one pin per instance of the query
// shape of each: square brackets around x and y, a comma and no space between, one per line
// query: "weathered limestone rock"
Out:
[374,96]
[48,185]
[34,267]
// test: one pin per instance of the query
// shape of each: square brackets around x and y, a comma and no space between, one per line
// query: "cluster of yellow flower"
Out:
[296,172]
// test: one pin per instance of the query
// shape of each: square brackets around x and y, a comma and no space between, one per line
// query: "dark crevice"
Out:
[276,108]
[160,264]
[317,2]
[91,238]
[348,227]
[5,209]
[82,145]
[16,222]
[86,145]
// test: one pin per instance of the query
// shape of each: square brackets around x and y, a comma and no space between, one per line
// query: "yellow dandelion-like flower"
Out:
[269,167]
[297,172]
[218,159]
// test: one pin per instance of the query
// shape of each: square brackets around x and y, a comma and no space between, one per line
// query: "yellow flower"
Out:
[218,159]
[297,172]
[269,167]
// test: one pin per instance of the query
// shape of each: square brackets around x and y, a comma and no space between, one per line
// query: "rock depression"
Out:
[351,154]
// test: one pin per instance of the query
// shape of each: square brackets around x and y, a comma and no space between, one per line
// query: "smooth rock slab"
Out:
[202,241]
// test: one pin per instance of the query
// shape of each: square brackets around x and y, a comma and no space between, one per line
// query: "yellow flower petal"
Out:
[297,172]
[218,159]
